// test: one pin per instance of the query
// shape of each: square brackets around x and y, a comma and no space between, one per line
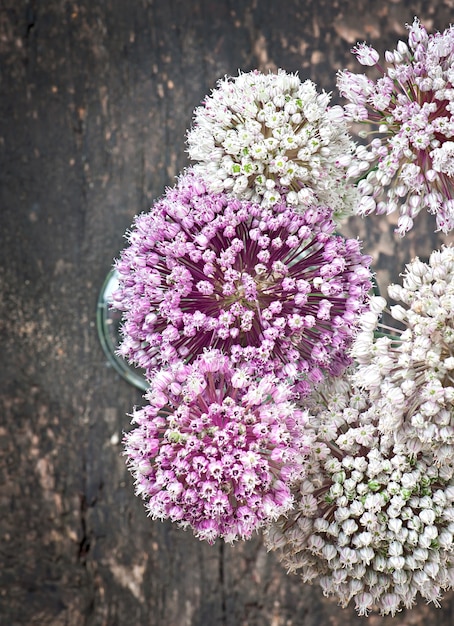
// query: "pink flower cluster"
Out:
[276,290]
[217,451]
[409,164]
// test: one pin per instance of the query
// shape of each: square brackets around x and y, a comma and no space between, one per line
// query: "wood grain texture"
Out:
[96,97]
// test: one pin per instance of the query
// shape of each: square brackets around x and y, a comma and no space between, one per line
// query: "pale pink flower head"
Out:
[408,165]
[273,289]
[218,457]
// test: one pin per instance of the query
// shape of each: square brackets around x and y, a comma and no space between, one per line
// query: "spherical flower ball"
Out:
[272,137]
[409,371]
[373,521]
[409,162]
[216,451]
[277,290]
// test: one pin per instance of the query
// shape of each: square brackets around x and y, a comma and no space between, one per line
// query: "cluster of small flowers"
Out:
[410,374]
[411,160]
[240,259]
[271,137]
[373,522]
[244,307]
[276,290]
[215,450]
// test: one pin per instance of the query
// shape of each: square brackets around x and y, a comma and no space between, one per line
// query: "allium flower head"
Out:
[410,374]
[272,288]
[215,451]
[373,521]
[410,163]
[271,137]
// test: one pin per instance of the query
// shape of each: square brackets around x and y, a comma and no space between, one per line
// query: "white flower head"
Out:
[375,532]
[273,138]
[409,375]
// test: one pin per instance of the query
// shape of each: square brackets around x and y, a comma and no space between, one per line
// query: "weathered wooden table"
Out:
[96,97]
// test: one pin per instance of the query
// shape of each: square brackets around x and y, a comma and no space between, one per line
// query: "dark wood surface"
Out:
[95,100]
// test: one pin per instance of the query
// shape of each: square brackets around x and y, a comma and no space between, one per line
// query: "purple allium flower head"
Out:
[272,288]
[410,163]
[217,452]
